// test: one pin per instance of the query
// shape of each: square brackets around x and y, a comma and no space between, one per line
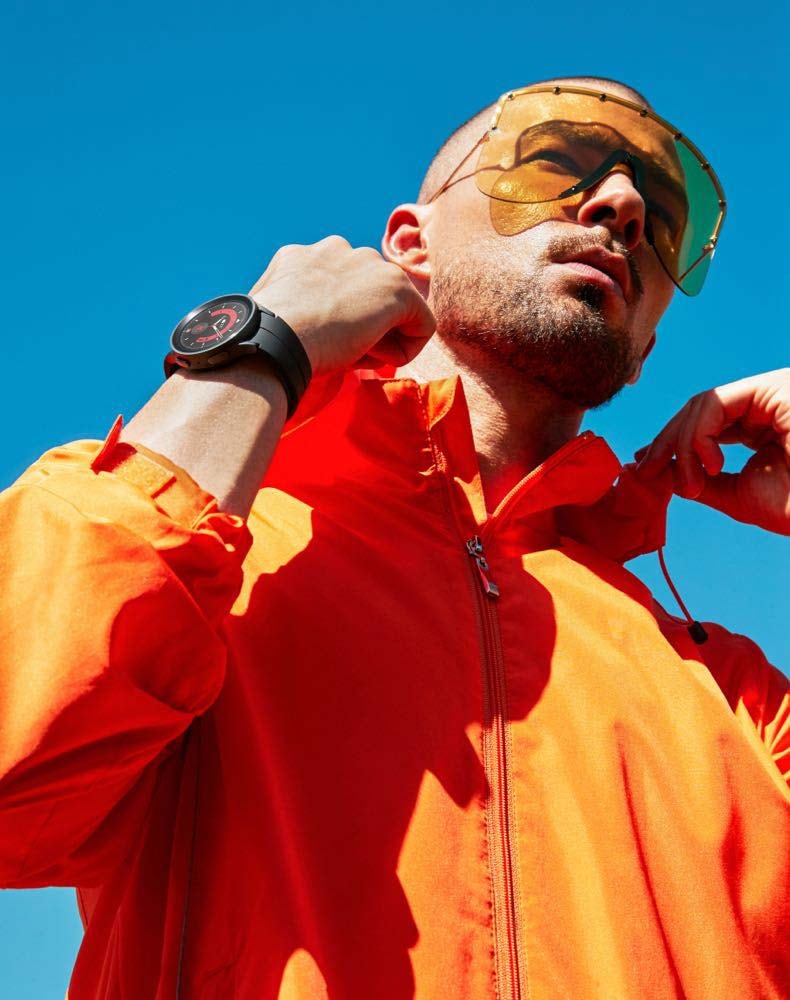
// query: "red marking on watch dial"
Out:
[227,312]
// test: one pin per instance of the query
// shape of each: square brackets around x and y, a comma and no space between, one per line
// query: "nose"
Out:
[616,204]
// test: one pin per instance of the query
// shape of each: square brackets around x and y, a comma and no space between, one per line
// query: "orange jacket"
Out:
[399,784]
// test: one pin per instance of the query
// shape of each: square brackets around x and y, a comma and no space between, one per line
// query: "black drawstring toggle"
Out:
[694,628]
[698,633]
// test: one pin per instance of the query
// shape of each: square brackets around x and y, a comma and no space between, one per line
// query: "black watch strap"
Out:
[277,341]
[274,339]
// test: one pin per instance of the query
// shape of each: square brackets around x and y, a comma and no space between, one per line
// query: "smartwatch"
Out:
[230,327]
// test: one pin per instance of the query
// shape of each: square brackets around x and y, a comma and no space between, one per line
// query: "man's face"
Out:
[567,293]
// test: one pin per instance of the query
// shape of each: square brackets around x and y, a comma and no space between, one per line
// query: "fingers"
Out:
[684,446]
[418,321]
[696,449]
[394,349]
[691,436]
[720,492]
[754,411]
[758,494]
[346,304]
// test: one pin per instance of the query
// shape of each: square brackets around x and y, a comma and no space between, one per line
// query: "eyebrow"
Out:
[590,134]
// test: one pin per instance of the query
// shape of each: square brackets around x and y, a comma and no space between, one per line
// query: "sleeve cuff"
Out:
[169,486]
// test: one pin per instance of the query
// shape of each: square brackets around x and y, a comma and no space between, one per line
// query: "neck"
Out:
[516,423]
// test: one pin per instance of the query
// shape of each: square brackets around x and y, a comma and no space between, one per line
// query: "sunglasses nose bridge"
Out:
[618,206]
[593,179]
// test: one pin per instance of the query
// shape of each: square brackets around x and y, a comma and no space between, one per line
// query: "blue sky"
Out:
[158,154]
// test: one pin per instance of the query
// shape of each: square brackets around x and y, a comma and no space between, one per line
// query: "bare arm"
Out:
[221,427]
[346,305]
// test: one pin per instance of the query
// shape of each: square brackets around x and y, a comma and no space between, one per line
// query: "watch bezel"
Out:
[204,355]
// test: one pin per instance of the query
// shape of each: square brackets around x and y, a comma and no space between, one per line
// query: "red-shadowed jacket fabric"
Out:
[314,755]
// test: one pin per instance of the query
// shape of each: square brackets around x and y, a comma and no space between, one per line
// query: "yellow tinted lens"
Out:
[549,158]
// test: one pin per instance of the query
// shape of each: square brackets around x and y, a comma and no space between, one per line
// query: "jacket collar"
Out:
[588,495]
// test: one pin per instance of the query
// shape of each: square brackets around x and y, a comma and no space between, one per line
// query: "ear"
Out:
[638,370]
[404,241]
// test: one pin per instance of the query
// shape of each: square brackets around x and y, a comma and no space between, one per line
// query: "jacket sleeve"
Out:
[116,574]
[757,693]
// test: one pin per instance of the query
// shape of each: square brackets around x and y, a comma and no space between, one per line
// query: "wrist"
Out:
[301,324]
[254,374]
[231,328]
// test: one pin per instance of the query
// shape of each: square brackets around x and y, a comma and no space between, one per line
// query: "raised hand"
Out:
[753,411]
[348,306]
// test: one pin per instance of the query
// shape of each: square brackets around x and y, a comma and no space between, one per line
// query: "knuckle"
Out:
[366,251]
[711,396]
[368,257]
[334,241]
[287,250]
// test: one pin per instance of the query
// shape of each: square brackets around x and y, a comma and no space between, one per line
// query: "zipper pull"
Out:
[474,549]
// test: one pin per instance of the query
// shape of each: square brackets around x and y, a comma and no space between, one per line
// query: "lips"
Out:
[612,264]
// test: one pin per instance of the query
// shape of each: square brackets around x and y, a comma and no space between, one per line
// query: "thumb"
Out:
[659,483]
[721,493]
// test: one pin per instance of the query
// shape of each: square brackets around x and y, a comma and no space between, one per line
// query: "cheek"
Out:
[658,288]
[657,294]
[509,218]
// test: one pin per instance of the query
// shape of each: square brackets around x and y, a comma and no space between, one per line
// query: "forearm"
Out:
[221,427]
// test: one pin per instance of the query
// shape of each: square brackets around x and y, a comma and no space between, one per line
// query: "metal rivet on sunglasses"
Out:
[557,90]
[602,97]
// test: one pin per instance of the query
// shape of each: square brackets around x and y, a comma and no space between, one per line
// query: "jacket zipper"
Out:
[499,806]
[510,967]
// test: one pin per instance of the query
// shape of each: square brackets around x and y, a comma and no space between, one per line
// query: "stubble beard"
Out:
[563,342]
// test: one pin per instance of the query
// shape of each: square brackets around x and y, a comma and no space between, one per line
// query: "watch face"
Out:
[213,324]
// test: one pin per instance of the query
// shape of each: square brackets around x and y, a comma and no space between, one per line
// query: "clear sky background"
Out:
[157,154]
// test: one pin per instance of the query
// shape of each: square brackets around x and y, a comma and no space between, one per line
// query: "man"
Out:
[433,740]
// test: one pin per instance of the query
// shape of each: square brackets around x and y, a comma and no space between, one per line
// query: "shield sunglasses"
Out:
[553,143]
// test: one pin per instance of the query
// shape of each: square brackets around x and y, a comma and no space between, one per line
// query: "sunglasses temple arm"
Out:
[450,180]
[705,251]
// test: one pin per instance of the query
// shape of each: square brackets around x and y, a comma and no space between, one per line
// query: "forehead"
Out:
[525,110]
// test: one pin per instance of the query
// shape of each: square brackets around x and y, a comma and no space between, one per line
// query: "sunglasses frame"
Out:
[589,181]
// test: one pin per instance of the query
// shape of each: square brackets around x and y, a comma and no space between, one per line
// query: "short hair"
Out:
[457,145]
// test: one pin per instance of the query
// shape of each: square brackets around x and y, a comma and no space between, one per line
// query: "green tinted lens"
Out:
[686,249]
[694,280]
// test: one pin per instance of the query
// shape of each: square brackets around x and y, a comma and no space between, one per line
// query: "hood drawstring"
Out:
[695,628]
